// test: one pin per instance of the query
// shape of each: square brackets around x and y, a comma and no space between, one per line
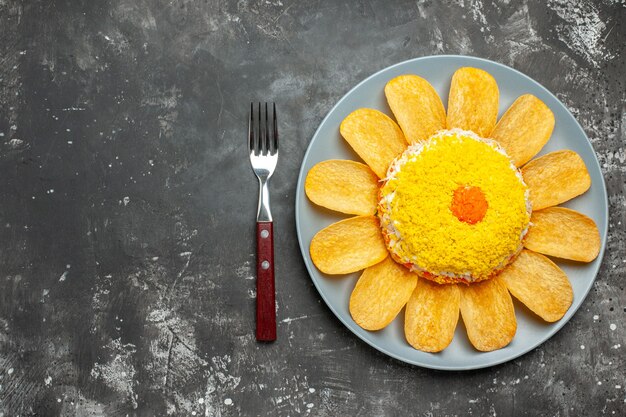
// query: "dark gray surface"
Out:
[127,206]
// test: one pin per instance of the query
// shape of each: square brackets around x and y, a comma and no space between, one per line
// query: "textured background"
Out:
[127,205]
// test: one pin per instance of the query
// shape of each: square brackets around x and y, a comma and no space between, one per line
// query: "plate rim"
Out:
[308,261]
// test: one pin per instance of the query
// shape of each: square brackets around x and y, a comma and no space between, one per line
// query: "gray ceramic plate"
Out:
[328,144]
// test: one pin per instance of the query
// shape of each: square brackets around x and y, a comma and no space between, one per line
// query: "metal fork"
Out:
[263,148]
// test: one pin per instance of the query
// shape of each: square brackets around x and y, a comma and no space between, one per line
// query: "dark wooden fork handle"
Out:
[265,292]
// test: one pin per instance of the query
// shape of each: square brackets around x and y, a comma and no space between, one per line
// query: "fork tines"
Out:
[263,140]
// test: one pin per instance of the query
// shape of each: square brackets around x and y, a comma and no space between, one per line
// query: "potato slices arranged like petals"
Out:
[380,293]
[541,285]
[431,316]
[555,178]
[564,233]
[473,101]
[416,106]
[348,245]
[488,314]
[374,137]
[524,129]
[346,186]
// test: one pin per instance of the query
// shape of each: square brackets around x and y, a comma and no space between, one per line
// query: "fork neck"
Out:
[263,212]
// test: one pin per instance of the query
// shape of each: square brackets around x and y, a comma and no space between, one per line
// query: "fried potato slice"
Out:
[346,186]
[431,315]
[564,233]
[539,284]
[473,101]
[380,293]
[374,137]
[416,106]
[488,314]
[524,129]
[348,245]
[555,178]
